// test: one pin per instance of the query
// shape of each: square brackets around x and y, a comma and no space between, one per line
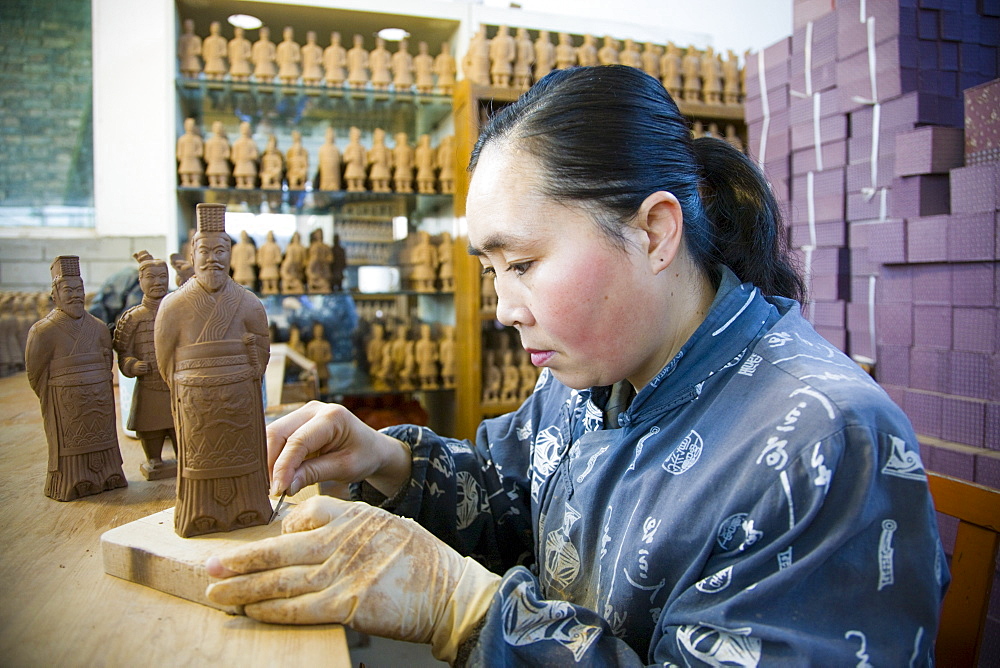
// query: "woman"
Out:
[698,478]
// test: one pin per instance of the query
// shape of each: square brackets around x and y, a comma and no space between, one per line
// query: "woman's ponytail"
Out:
[748,236]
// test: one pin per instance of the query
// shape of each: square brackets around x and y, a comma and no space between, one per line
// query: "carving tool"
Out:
[277,508]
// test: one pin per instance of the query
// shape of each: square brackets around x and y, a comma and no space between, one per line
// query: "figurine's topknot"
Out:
[211,218]
[65,265]
[145,259]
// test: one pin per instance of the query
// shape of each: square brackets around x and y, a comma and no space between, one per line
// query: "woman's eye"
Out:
[519,267]
[489,271]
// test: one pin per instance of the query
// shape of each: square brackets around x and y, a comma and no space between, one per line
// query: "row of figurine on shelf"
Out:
[515,61]
[425,264]
[380,168]
[217,59]
[398,356]
[18,312]
[509,377]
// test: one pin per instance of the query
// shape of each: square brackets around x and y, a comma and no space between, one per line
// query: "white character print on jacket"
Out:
[525,624]
[716,647]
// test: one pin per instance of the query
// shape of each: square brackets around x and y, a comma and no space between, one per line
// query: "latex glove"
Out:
[354,564]
[322,441]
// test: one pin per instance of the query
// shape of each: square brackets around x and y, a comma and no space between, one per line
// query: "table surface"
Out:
[59,607]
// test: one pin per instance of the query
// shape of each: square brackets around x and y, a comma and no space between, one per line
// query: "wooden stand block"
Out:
[148,552]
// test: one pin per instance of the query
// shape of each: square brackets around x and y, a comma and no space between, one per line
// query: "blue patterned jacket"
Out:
[761,502]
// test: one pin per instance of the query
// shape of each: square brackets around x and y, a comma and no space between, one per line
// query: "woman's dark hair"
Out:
[610,136]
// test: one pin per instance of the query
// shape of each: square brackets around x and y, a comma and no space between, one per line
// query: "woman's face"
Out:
[585,309]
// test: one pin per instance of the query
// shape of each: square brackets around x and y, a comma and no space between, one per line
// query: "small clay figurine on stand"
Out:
[402,68]
[446,270]
[272,166]
[423,260]
[711,78]
[446,355]
[380,163]
[423,69]
[288,57]
[357,64]
[338,264]
[511,384]
[565,52]
[380,61]
[355,161]
[402,162]
[212,345]
[329,163]
[263,56]
[426,161]
[189,51]
[240,51]
[217,152]
[244,261]
[269,262]
[651,60]
[445,68]
[545,55]
[630,55]
[334,62]
[213,51]
[318,264]
[524,60]
[245,155]
[476,64]
[293,267]
[731,78]
[425,349]
[297,162]
[608,54]
[295,341]
[68,359]
[691,72]
[190,151]
[670,71]
[529,376]
[375,347]
[312,60]
[150,417]
[492,379]
[586,53]
[446,163]
[502,54]
[319,351]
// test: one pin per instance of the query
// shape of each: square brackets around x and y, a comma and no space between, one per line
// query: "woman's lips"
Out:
[540,357]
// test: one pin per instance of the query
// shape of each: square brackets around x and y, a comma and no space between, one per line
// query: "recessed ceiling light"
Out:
[393,34]
[245,21]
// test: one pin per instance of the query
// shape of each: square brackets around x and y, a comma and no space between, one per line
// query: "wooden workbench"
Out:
[59,608]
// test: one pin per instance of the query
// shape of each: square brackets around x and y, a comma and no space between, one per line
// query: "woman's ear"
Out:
[661,220]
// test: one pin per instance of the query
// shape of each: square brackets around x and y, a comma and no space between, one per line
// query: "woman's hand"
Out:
[351,563]
[320,442]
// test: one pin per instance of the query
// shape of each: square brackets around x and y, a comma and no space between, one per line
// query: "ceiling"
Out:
[320,19]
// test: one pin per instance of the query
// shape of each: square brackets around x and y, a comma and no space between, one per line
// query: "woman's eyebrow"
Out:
[497,242]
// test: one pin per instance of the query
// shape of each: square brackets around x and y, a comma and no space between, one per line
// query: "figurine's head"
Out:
[422,47]
[311,36]
[335,38]
[270,236]
[188,26]
[359,41]
[67,286]
[245,129]
[237,32]
[264,33]
[403,45]
[189,125]
[211,247]
[153,277]
[288,33]
[317,330]
[214,27]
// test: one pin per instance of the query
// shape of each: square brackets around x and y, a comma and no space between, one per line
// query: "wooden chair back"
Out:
[973,562]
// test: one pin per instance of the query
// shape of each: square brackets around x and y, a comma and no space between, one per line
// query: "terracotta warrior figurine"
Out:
[586,53]
[545,55]
[263,56]
[68,359]
[446,269]
[334,62]
[476,64]
[380,61]
[319,351]
[245,155]
[269,263]
[338,263]
[329,163]
[189,51]
[240,51]
[243,259]
[565,52]
[212,346]
[711,77]
[150,415]
[426,160]
[357,64]
[312,60]
[524,60]
[608,54]
[445,69]
[293,267]
[670,71]
[423,69]
[402,164]
[731,78]
[630,55]
[297,163]
[651,60]
[425,349]
[318,264]
[289,57]
[213,51]
[272,166]
[190,151]
[503,50]
[446,355]
[423,262]
[217,152]
[379,163]
[446,163]
[355,161]
[402,67]
[691,72]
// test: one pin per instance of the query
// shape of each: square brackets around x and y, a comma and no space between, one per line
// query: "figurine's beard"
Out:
[73,309]
[212,278]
